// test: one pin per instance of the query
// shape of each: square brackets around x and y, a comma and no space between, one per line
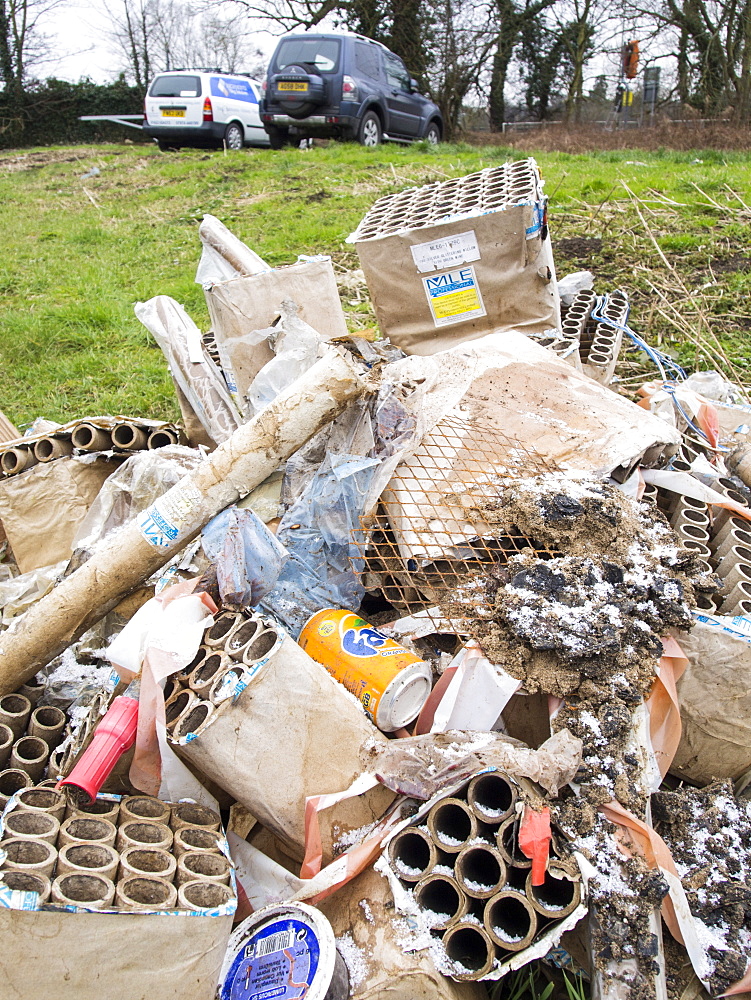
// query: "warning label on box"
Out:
[451,251]
[454,296]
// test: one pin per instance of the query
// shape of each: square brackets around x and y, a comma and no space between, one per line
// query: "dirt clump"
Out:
[708,831]
[578,615]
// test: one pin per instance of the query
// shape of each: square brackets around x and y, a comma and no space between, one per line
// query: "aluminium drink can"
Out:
[391,683]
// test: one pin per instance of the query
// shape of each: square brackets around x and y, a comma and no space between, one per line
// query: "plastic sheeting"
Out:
[323,569]
[139,481]
[248,557]
[193,371]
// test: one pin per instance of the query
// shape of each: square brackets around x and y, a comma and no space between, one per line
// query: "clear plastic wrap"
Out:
[139,481]
[420,766]
[571,284]
[323,570]
[296,347]
[248,557]
[19,593]
[192,369]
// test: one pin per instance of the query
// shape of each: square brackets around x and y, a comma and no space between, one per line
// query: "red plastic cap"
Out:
[115,734]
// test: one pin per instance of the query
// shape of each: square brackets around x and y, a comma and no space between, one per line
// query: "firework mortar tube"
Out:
[115,734]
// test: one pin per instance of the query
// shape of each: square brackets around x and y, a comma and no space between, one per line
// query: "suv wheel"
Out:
[433,134]
[233,136]
[369,133]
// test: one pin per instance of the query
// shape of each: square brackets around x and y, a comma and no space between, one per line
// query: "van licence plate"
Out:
[301,86]
[173,113]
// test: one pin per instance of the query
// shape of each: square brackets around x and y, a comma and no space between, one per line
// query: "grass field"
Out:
[672,228]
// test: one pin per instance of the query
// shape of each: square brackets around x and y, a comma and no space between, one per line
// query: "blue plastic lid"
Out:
[279,953]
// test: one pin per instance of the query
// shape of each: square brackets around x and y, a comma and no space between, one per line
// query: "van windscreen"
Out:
[323,53]
[176,85]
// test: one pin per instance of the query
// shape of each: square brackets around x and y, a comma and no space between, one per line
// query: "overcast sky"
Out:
[78,44]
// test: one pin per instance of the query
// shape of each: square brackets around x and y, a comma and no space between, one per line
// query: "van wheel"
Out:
[369,133]
[234,137]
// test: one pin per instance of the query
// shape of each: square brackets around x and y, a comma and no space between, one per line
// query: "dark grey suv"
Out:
[343,86]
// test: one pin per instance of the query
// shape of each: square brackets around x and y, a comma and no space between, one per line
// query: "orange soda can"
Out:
[391,683]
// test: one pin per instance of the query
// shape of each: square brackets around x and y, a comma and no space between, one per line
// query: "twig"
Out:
[562,178]
[606,198]
[736,195]
[664,198]
[719,352]
[91,197]
[710,200]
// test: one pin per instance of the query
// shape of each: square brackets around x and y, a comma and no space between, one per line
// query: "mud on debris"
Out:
[585,625]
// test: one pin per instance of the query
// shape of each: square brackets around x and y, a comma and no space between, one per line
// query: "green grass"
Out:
[79,253]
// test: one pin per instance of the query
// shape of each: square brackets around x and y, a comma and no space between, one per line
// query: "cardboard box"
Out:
[42,507]
[450,262]
[117,956]
[7,431]
[241,305]
[90,955]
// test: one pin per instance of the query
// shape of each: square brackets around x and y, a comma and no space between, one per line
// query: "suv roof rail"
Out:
[336,34]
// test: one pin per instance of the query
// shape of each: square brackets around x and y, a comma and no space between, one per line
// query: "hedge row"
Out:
[47,112]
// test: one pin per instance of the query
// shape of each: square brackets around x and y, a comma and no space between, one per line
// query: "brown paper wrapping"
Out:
[714,694]
[252,302]
[87,956]
[293,732]
[42,508]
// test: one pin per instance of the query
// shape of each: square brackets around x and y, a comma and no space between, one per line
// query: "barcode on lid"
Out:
[280,941]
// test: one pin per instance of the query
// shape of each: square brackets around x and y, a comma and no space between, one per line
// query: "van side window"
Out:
[396,72]
[367,61]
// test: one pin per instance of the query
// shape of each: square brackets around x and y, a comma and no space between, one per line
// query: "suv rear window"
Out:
[323,53]
[176,85]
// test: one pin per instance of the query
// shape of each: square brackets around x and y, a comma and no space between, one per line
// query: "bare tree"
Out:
[510,17]
[711,42]
[22,42]
[459,50]
[157,35]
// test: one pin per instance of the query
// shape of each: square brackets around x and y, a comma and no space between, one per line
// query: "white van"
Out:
[200,109]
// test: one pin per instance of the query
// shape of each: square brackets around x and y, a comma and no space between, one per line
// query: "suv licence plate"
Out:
[173,113]
[302,86]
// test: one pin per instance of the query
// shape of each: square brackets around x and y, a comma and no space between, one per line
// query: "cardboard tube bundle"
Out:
[27,738]
[605,345]
[94,435]
[387,970]
[129,855]
[141,546]
[279,713]
[469,875]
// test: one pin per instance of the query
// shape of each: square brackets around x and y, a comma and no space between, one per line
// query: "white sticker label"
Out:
[454,297]
[195,347]
[448,252]
[163,522]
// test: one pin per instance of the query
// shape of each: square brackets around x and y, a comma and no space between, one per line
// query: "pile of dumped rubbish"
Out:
[416,656]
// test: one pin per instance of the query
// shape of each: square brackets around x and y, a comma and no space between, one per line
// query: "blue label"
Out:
[281,960]
[363,641]
[237,90]
[451,281]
